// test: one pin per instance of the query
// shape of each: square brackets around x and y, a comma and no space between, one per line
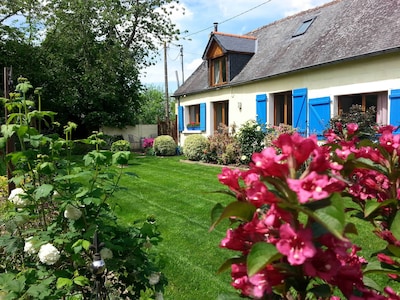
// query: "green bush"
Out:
[195,146]
[250,137]
[164,145]
[120,145]
[223,148]
[273,132]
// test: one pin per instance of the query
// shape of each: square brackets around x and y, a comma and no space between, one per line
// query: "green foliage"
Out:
[223,147]
[274,131]
[366,121]
[53,214]
[120,145]
[194,147]
[90,56]
[250,137]
[152,108]
[164,145]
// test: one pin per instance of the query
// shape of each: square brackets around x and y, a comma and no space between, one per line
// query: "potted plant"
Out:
[193,126]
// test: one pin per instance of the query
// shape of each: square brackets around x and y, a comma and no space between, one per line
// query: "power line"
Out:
[224,21]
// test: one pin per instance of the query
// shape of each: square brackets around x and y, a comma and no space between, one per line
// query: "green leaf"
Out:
[373,205]
[372,283]
[43,191]
[233,260]
[321,291]
[241,210]
[61,282]
[216,212]
[332,216]
[81,280]
[121,157]
[395,226]
[395,250]
[261,254]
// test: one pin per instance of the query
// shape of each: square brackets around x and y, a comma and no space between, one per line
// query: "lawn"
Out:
[178,195]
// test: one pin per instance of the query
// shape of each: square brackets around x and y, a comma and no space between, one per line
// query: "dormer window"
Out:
[218,71]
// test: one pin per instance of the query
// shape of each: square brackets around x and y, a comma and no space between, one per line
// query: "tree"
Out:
[92,53]
[153,105]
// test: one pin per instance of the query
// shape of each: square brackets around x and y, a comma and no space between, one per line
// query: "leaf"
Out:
[321,291]
[395,250]
[61,282]
[261,254]
[372,205]
[241,210]
[216,212]
[43,191]
[395,226]
[233,260]
[332,216]
[121,157]
[372,283]
[81,281]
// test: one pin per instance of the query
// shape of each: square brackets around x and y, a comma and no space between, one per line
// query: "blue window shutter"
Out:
[261,108]
[202,116]
[300,111]
[181,123]
[319,115]
[395,109]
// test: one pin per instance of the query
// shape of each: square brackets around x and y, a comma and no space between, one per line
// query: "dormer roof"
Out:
[230,43]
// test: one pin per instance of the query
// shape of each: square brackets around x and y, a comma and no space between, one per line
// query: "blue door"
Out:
[261,108]
[300,111]
[395,109]
[319,116]
[181,125]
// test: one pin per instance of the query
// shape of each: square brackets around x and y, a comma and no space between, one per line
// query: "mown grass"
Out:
[179,195]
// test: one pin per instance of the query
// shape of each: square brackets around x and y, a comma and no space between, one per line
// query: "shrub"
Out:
[223,147]
[164,145]
[366,121]
[147,146]
[120,145]
[194,147]
[274,131]
[250,137]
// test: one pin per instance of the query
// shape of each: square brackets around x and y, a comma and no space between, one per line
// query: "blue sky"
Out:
[233,16]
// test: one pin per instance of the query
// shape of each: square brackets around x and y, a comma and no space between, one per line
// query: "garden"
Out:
[293,218]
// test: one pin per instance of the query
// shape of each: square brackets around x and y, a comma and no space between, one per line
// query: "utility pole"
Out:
[10,141]
[166,88]
[183,76]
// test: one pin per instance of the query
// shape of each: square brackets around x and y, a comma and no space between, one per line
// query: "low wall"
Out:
[133,134]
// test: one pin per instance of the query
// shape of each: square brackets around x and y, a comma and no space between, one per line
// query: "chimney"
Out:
[215,26]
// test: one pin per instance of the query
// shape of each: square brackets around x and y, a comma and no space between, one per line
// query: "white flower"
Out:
[48,254]
[72,213]
[17,197]
[29,247]
[106,253]
[244,157]
[159,296]
[258,128]
[154,278]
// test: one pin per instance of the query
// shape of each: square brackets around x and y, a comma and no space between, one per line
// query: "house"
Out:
[301,70]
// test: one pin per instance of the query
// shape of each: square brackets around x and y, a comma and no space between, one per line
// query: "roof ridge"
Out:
[234,35]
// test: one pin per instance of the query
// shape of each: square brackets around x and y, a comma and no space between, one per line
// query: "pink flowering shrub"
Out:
[147,143]
[290,224]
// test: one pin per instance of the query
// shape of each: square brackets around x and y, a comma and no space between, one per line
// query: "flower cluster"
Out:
[48,254]
[18,197]
[193,124]
[147,143]
[291,228]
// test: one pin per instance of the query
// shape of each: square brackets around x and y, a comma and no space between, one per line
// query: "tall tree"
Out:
[92,53]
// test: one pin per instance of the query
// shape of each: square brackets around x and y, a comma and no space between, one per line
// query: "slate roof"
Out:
[343,30]
[232,43]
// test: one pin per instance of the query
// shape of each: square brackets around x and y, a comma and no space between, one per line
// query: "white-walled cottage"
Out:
[301,70]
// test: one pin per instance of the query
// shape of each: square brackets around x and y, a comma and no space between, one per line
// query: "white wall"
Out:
[133,134]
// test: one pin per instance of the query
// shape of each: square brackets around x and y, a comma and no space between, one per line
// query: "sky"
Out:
[233,16]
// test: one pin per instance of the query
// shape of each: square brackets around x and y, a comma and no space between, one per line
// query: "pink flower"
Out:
[392,294]
[351,128]
[324,265]
[268,163]
[258,194]
[297,246]
[310,187]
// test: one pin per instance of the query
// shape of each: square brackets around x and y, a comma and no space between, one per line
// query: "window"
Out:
[364,100]
[283,108]
[220,113]
[303,27]
[218,71]
[194,113]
